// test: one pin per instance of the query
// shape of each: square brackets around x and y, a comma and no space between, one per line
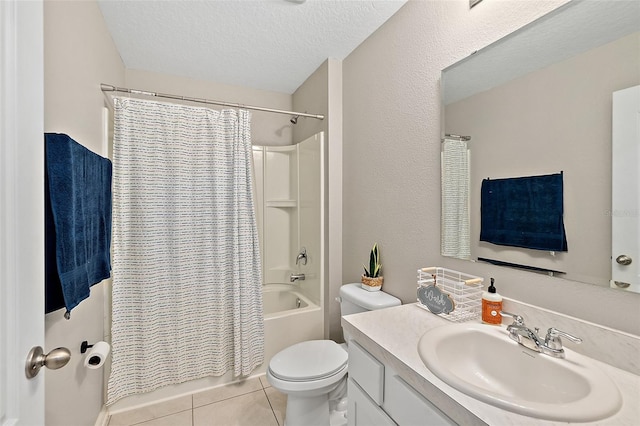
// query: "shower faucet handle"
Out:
[302,256]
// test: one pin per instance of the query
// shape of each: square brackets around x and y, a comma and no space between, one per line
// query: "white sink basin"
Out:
[483,362]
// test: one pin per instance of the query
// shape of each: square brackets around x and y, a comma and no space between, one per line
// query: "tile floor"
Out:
[252,402]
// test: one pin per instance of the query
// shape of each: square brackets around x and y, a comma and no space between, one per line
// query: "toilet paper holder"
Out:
[84,346]
[95,357]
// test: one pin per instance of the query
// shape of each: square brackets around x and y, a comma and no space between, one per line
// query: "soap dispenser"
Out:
[491,306]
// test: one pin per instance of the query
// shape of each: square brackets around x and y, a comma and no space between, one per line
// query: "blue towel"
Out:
[77,221]
[524,212]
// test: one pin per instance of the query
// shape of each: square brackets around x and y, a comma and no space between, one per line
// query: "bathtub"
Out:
[282,300]
[289,318]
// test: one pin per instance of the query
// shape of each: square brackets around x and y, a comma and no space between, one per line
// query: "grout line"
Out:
[193,407]
[246,392]
[230,397]
[271,406]
[161,417]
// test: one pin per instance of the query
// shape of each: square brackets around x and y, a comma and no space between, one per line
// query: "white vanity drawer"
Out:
[407,407]
[367,371]
[362,411]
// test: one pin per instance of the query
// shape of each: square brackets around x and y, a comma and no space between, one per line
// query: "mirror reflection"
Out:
[550,99]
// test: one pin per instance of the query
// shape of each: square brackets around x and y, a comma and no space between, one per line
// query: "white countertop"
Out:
[392,336]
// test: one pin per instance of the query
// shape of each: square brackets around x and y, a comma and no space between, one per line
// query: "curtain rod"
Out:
[110,88]
[458,137]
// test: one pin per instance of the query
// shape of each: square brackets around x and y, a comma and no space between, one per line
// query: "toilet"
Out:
[313,374]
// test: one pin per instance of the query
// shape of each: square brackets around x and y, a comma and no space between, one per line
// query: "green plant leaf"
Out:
[374,261]
[372,264]
[366,273]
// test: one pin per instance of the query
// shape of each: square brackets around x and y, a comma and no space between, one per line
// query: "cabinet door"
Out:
[367,371]
[362,411]
[407,407]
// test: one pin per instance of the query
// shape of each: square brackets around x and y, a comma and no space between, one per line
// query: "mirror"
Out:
[539,102]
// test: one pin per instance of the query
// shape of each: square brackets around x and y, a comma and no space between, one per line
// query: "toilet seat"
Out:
[309,361]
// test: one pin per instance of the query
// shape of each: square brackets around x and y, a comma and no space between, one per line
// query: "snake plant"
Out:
[374,263]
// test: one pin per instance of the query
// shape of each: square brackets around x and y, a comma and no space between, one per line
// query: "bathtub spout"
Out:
[295,277]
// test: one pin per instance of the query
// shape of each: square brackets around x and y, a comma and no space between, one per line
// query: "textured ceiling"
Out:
[263,44]
[567,31]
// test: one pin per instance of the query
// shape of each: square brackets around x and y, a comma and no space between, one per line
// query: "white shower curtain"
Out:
[187,299]
[455,239]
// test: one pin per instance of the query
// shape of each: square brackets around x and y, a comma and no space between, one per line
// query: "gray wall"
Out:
[266,128]
[321,93]
[391,181]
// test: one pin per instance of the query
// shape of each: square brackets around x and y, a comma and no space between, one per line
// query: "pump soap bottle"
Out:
[491,306]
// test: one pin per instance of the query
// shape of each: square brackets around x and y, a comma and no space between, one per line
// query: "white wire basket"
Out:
[463,291]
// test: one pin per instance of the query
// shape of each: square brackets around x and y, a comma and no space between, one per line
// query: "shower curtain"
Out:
[455,239]
[186,298]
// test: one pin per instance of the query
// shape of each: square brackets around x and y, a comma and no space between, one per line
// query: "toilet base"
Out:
[338,413]
[338,418]
[314,411]
[307,411]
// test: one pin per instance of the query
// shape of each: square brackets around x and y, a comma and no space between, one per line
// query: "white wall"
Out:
[78,55]
[391,182]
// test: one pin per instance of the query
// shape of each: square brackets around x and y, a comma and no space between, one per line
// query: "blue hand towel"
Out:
[77,220]
[524,212]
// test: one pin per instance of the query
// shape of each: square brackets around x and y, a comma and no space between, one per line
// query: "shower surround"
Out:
[290,207]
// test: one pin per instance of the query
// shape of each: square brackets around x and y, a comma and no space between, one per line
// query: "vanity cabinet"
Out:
[362,410]
[378,396]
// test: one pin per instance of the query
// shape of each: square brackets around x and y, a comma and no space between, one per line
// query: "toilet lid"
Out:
[310,360]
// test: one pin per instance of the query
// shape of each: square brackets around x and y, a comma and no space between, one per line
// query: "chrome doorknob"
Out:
[623,259]
[37,359]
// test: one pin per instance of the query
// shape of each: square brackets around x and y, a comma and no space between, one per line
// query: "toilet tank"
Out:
[354,299]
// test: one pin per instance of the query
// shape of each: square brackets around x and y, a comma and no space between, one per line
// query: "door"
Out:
[625,256]
[22,209]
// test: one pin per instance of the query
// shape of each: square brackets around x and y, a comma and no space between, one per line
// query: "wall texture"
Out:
[78,55]
[391,182]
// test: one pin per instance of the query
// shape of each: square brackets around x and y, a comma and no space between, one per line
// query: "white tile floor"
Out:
[252,402]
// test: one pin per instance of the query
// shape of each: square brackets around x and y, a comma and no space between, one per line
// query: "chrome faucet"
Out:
[551,345]
[302,256]
[295,277]
[552,339]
